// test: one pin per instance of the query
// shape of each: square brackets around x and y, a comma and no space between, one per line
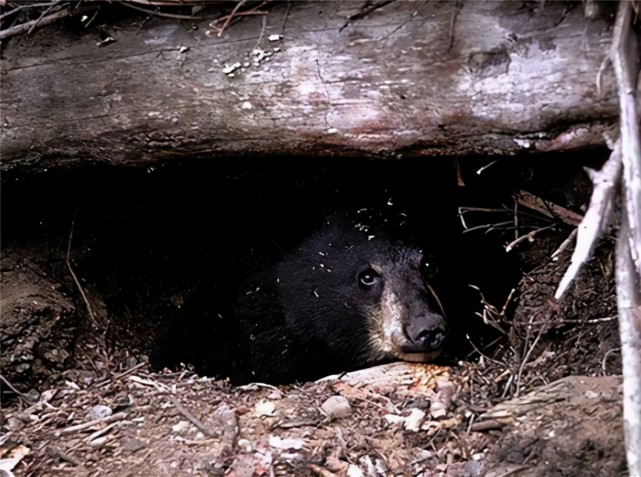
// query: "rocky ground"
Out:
[549,404]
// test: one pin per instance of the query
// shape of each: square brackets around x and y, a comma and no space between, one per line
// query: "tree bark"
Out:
[407,79]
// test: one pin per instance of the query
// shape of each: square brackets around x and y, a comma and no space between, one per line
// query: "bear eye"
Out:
[368,278]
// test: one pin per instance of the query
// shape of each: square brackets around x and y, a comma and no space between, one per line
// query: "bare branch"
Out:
[629,304]
[597,218]
[40,22]
[625,55]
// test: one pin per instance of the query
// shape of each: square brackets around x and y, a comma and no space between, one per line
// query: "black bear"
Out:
[348,296]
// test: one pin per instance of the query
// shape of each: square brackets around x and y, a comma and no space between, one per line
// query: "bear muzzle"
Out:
[420,340]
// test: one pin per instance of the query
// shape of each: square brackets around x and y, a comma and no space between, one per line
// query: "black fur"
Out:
[312,313]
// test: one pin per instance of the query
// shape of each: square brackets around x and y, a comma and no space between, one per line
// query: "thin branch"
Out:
[23,396]
[101,421]
[196,422]
[236,14]
[364,12]
[40,22]
[42,15]
[566,243]
[529,237]
[229,17]
[282,27]
[75,279]
[548,208]
[161,14]
[23,7]
[526,359]
[65,456]
[262,32]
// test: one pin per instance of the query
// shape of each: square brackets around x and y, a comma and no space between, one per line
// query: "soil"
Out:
[545,402]
[397,419]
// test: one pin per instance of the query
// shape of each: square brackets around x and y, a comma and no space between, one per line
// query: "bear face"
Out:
[360,296]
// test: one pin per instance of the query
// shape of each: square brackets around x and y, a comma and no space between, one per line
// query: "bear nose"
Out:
[427,334]
[429,339]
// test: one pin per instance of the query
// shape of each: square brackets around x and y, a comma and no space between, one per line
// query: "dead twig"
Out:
[529,237]
[591,321]
[119,416]
[607,355]
[491,315]
[526,358]
[42,15]
[564,245]
[121,375]
[464,210]
[293,424]
[626,157]
[24,7]
[76,281]
[236,14]
[40,22]
[151,383]
[21,395]
[191,418]
[64,456]
[480,352]
[488,425]
[103,431]
[161,14]
[547,208]
[364,12]
[255,386]
[262,32]
[282,27]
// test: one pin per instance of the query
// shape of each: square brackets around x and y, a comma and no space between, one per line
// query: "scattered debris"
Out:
[11,458]
[229,69]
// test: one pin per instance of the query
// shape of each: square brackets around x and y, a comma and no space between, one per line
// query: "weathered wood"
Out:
[408,79]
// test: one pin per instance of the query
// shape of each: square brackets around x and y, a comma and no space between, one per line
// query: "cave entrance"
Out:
[146,259]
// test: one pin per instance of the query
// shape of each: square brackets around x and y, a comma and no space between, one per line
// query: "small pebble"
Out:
[337,407]
[180,427]
[99,411]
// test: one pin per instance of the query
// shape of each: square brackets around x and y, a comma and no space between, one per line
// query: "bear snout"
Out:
[424,334]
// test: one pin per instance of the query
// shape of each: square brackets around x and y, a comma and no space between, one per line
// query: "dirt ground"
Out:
[548,404]
[398,419]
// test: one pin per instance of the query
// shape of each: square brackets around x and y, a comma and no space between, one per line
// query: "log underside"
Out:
[409,79]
